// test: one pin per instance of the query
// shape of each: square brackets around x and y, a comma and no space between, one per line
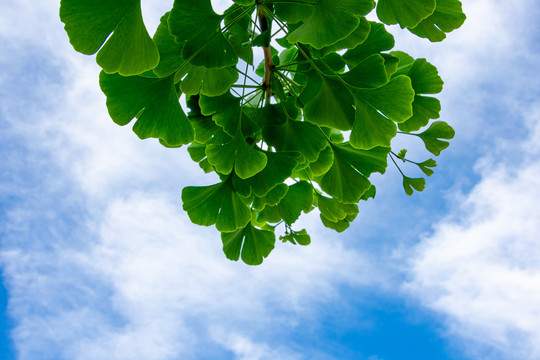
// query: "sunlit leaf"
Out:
[447,17]
[153,101]
[249,243]
[88,23]
[407,13]
[436,131]
[217,204]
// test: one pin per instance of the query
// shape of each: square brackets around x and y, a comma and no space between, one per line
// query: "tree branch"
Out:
[268,63]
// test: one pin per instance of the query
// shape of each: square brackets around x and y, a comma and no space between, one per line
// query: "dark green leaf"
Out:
[297,237]
[407,13]
[437,130]
[417,184]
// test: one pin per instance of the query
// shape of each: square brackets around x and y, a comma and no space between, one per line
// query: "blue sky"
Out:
[99,261]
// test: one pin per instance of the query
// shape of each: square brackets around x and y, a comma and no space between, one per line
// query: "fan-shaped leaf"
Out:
[252,244]
[153,101]
[128,51]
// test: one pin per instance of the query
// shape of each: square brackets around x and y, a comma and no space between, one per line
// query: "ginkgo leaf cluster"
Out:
[304,128]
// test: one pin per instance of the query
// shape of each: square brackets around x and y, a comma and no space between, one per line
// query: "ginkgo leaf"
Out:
[128,51]
[297,237]
[447,17]
[273,197]
[294,12]
[344,181]
[279,167]
[227,113]
[426,165]
[417,184]
[170,51]
[330,22]
[209,82]
[217,204]
[293,135]
[153,101]
[323,163]
[250,243]
[378,40]
[357,37]
[370,73]
[340,225]
[299,198]
[196,23]
[437,130]
[424,109]
[327,102]
[405,13]
[334,210]
[245,159]
[205,128]
[378,109]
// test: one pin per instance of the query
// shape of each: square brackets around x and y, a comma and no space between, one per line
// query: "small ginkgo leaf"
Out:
[437,130]
[370,73]
[153,101]
[238,154]
[378,40]
[128,51]
[196,23]
[424,109]
[417,184]
[293,135]
[217,204]
[279,167]
[249,243]
[378,109]
[344,181]
[405,13]
[273,197]
[447,17]
[426,165]
[299,198]
[357,37]
[297,237]
[327,103]
[209,82]
[330,22]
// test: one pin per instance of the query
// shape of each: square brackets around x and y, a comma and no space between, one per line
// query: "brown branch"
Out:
[268,63]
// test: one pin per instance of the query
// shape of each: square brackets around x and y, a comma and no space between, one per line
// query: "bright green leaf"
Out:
[437,130]
[128,51]
[252,244]
[408,13]
[447,17]
[217,204]
[153,101]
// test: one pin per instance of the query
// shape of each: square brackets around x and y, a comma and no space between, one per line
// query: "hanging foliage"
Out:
[302,129]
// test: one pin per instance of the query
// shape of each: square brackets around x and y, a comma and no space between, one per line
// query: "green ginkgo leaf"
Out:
[292,12]
[357,37]
[170,52]
[209,82]
[447,17]
[153,101]
[406,13]
[273,197]
[330,22]
[417,184]
[436,131]
[343,181]
[426,165]
[340,225]
[378,109]
[323,163]
[250,243]
[334,210]
[279,167]
[293,135]
[227,113]
[299,198]
[297,237]
[217,204]
[196,23]
[128,51]
[378,40]
[327,102]
[370,73]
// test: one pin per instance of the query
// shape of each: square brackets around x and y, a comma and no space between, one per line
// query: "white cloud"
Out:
[481,267]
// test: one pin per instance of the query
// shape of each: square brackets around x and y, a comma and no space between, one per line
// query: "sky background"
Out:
[99,261]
